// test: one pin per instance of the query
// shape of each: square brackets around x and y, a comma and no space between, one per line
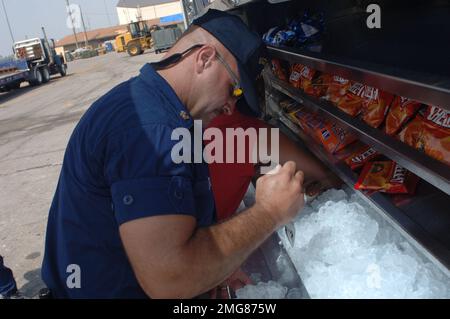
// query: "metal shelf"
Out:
[412,219]
[429,169]
[425,88]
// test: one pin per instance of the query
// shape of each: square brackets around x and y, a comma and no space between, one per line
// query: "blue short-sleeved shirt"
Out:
[118,168]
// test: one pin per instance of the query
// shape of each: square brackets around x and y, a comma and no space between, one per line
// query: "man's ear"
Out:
[204,58]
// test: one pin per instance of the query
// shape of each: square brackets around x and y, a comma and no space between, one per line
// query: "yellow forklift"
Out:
[137,39]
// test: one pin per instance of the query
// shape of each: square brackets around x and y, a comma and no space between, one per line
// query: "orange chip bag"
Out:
[387,177]
[332,136]
[302,117]
[412,132]
[295,77]
[435,140]
[375,106]
[430,133]
[321,84]
[337,88]
[307,76]
[278,70]
[402,109]
[351,103]
[361,156]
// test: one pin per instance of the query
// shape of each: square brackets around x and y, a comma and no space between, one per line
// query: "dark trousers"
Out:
[7,282]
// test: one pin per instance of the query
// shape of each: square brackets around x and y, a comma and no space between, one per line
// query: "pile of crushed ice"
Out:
[344,249]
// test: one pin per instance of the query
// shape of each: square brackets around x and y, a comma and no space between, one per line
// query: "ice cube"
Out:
[263,290]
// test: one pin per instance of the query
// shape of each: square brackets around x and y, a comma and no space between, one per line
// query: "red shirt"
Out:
[231,181]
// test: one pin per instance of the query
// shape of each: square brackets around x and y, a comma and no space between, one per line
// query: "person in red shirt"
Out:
[230,181]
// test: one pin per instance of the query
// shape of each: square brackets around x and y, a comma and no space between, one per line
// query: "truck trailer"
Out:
[34,61]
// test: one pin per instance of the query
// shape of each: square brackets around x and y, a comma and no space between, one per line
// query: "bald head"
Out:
[197,35]
[203,82]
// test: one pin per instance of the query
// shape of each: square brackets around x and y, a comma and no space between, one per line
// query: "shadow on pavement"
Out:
[7,96]
[34,284]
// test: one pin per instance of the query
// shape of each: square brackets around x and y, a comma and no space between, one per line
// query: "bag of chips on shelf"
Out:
[278,70]
[401,111]
[430,132]
[295,77]
[308,121]
[412,132]
[336,89]
[302,78]
[301,117]
[387,177]
[361,156]
[320,85]
[307,76]
[375,106]
[435,139]
[332,136]
[351,103]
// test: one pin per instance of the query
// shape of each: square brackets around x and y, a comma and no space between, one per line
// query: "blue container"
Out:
[109,47]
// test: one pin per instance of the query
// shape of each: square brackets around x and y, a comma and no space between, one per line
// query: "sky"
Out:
[28,16]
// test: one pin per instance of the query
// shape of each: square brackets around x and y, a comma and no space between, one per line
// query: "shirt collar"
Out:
[152,78]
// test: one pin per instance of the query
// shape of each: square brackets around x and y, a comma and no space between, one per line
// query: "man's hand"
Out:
[279,194]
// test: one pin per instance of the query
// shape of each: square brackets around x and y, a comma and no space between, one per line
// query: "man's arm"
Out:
[173,259]
[313,169]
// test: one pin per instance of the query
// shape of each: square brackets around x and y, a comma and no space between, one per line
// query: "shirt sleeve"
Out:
[143,178]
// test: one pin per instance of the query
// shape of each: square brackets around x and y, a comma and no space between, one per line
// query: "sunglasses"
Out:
[237,90]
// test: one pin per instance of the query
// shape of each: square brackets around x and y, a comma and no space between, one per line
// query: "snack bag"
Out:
[278,70]
[295,77]
[430,133]
[361,156]
[387,177]
[308,121]
[351,103]
[301,117]
[307,75]
[336,89]
[321,84]
[332,136]
[412,132]
[375,106]
[435,139]
[402,109]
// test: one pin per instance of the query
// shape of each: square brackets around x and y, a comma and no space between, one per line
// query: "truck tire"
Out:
[45,74]
[36,77]
[134,49]
[63,70]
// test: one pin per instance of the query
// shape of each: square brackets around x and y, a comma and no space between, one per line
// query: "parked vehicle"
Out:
[35,61]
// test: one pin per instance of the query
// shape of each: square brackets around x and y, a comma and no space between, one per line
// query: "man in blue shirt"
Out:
[128,222]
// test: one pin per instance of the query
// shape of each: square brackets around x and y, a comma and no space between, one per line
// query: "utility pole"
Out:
[73,24]
[86,42]
[107,14]
[7,21]
[50,54]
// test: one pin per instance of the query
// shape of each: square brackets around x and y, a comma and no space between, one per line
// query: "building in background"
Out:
[96,38]
[167,11]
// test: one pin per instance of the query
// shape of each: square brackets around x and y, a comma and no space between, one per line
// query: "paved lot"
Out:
[35,125]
